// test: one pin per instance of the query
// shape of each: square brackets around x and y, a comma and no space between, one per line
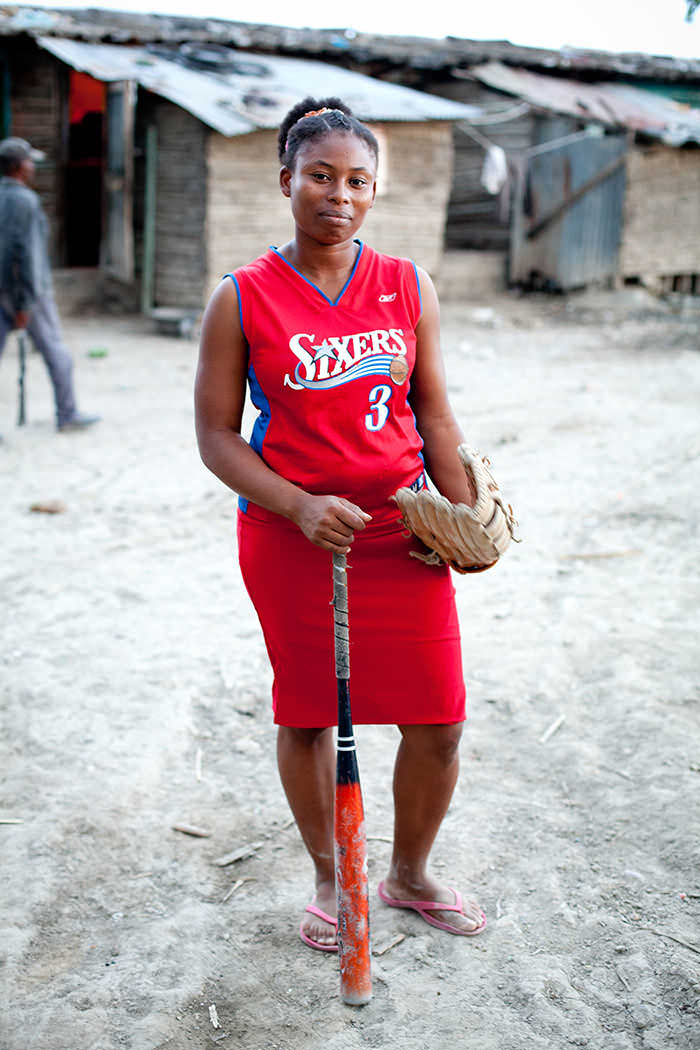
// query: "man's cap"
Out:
[14,151]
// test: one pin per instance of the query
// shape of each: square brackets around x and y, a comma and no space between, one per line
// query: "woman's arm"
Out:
[328,521]
[434,417]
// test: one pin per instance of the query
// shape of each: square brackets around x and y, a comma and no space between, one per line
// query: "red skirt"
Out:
[405,653]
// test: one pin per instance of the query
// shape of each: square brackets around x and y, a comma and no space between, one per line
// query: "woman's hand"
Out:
[330,521]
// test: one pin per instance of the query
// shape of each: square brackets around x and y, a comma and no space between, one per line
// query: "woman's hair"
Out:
[304,123]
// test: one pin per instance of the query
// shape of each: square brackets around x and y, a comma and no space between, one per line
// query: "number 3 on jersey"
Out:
[378,412]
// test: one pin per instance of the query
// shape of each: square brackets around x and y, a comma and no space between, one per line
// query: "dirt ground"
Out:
[135,695]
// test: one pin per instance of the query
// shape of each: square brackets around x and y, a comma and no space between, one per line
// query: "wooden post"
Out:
[149,220]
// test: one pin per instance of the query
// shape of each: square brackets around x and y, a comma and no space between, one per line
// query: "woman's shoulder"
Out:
[257,268]
[395,264]
[396,272]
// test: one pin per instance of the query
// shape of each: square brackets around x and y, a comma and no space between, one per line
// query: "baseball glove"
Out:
[470,539]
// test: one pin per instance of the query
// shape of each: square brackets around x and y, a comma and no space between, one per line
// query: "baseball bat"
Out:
[21,380]
[349,833]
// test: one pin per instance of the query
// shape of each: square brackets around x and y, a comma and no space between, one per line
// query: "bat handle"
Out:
[341,621]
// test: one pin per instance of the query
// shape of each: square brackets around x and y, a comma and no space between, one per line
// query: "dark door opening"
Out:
[84,172]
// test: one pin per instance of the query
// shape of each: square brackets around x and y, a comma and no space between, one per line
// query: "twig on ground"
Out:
[10,820]
[620,772]
[379,838]
[236,886]
[670,937]
[242,853]
[557,724]
[278,831]
[498,908]
[390,945]
[213,1016]
[623,980]
[191,829]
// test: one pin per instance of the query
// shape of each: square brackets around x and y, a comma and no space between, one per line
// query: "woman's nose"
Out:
[337,192]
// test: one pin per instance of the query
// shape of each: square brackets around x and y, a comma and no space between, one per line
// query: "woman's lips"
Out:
[336,218]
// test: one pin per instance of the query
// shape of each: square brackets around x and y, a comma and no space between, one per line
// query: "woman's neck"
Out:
[328,266]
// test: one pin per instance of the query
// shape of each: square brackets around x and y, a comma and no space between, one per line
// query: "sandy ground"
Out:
[135,695]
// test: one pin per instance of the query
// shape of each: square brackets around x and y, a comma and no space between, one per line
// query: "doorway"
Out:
[85,169]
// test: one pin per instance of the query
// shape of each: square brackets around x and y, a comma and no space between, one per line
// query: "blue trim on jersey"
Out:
[238,295]
[420,297]
[345,286]
[261,423]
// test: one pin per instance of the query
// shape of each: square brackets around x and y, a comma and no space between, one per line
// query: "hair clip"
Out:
[311,113]
[315,113]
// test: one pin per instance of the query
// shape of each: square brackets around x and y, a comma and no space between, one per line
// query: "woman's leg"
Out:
[425,774]
[306,761]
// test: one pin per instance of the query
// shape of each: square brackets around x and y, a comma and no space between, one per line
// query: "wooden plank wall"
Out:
[39,106]
[661,233]
[475,218]
[181,204]
[247,212]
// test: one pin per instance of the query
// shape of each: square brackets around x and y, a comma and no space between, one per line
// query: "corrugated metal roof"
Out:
[613,104]
[250,91]
[339,45]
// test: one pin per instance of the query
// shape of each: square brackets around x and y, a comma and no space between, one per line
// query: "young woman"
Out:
[340,348]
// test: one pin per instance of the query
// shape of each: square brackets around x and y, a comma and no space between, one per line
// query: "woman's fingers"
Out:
[352,515]
[331,522]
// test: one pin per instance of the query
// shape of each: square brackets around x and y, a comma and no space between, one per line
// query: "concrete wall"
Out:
[471,276]
[661,233]
[247,212]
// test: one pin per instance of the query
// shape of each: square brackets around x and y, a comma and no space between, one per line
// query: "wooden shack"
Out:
[162,171]
[189,182]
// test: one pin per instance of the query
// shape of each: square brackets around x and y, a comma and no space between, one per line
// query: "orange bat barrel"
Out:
[350,835]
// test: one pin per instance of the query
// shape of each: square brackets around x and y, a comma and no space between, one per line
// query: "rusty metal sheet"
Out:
[612,104]
[569,212]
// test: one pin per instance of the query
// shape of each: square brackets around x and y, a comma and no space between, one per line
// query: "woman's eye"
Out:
[320,176]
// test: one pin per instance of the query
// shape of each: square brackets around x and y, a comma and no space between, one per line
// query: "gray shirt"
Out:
[25,269]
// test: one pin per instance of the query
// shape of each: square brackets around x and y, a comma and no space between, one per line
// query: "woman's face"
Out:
[331,186]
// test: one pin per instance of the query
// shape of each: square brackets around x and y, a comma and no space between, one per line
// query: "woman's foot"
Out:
[315,930]
[464,918]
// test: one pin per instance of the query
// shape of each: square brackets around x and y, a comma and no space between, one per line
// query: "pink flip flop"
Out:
[425,907]
[326,918]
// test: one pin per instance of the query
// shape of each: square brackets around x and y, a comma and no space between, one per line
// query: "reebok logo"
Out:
[387,298]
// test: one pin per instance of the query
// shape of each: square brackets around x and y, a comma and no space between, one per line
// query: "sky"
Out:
[653,26]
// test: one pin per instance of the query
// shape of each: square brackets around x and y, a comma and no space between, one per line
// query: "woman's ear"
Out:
[285,179]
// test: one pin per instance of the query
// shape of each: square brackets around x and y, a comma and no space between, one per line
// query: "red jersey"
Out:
[331,379]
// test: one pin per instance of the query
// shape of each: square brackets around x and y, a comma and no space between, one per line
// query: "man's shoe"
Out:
[78,422]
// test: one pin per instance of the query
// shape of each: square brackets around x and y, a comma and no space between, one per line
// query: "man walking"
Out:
[26,292]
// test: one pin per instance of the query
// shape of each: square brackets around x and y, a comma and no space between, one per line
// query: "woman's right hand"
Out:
[330,521]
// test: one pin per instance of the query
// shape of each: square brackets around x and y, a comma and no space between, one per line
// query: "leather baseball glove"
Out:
[470,539]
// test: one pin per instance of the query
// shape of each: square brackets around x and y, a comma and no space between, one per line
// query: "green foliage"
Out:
[692,6]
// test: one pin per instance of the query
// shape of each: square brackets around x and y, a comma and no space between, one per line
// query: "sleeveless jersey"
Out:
[331,379]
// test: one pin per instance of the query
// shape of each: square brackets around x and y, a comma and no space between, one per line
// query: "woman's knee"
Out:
[300,737]
[439,742]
